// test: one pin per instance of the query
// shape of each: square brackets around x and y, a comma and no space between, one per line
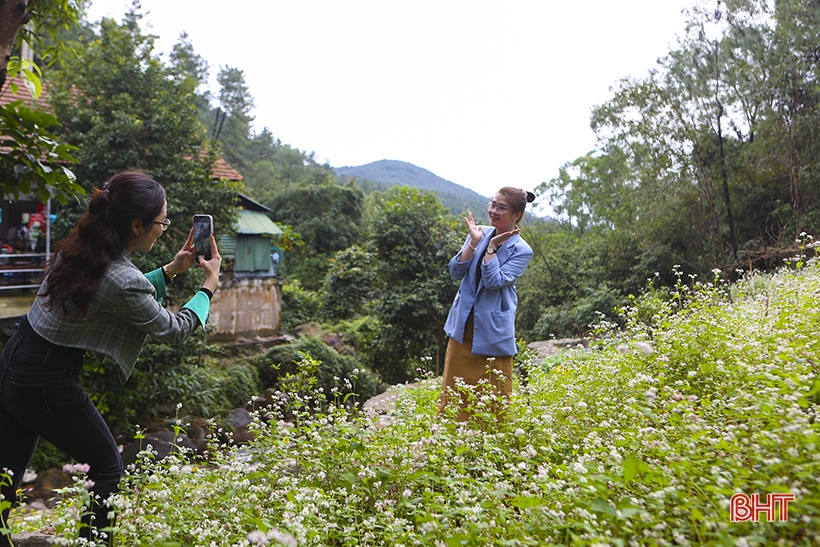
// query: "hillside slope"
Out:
[381,175]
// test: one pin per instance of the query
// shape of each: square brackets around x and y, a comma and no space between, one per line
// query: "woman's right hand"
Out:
[211,267]
[475,232]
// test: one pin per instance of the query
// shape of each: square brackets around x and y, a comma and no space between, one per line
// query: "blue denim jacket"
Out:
[492,298]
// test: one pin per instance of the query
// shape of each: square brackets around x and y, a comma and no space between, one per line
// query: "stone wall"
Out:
[246,309]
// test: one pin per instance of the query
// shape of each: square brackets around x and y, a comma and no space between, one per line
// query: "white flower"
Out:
[257,537]
[282,538]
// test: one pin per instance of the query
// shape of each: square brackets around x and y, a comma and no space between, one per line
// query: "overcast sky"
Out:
[484,94]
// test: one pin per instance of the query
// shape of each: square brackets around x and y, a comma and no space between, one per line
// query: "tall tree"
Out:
[124,109]
[233,119]
[413,238]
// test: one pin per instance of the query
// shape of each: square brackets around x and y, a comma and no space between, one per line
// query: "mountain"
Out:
[381,175]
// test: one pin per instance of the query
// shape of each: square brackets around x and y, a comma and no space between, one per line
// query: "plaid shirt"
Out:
[123,312]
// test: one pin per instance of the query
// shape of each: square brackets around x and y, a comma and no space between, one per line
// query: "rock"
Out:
[236,422]
[32,540]
[163,443]
[237,419]
[47,482]
[546,348]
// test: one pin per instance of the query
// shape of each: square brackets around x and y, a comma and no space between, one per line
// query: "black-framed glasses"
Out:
[164,223]
[500,207]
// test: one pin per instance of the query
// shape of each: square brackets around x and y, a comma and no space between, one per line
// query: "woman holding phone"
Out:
[92,298]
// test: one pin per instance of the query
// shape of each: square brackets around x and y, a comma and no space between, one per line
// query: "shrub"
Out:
[337,373]
[299,306]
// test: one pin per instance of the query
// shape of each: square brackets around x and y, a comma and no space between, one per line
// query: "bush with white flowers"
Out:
[640,439]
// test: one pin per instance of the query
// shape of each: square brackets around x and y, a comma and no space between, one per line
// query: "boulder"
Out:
[162,442]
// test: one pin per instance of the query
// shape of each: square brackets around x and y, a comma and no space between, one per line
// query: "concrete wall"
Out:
[247,309]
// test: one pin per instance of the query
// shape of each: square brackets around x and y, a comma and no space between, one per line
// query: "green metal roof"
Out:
[256,222]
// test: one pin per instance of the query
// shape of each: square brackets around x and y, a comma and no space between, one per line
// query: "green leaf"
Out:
[524,502]
[632,467]
[599,505]
[458,539]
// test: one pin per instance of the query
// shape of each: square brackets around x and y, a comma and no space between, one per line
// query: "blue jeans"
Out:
[40,397]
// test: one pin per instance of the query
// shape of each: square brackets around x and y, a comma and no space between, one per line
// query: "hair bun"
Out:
[530,196]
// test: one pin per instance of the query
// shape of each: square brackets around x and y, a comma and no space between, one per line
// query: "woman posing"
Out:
[92,298]
[481,323]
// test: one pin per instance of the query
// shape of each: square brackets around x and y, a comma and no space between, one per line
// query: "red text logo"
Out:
[743,508]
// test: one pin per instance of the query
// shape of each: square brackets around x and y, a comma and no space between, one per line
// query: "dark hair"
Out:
[517,199]
[101,236]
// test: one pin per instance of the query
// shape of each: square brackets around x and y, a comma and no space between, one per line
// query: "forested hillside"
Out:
[381,175]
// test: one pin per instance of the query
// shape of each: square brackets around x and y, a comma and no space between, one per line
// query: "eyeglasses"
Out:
[500,207]
[164,223]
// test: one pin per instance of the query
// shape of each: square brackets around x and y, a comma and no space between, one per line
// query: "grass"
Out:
[642,439]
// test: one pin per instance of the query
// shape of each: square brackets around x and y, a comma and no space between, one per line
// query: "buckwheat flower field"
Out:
[642,438]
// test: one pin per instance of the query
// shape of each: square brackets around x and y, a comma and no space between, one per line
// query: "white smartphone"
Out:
[203,228]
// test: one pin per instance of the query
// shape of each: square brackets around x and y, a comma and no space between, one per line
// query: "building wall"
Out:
[246,309]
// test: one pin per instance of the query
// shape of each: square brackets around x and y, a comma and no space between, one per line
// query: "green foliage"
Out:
[299,306]
[576,316]
[34,161]
[648,435]
[572,277]
[710,159]
[332,373]
[361,333]
[413,239]
[124,109]
[349,285]
[327,216]
[47,456]
[167,375]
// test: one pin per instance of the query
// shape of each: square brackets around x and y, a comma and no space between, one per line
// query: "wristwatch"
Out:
[491,251]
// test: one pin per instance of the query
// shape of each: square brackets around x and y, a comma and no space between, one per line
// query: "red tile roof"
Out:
[220,169]
[6,95]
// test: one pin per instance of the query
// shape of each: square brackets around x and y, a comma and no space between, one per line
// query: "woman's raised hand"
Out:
[500,239]
[475,231]
[211,267]
[184,258]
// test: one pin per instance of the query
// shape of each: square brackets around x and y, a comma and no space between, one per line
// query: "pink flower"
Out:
[76,468]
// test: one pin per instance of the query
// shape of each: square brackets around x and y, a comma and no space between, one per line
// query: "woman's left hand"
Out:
[500,239]
[184,258]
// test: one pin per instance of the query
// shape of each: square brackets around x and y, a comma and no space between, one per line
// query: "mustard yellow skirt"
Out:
[461,363]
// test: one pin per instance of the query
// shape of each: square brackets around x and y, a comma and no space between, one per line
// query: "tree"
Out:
[233,120]
[327,216]
[35,160]
[413,238]
[124,109]
[349,285]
